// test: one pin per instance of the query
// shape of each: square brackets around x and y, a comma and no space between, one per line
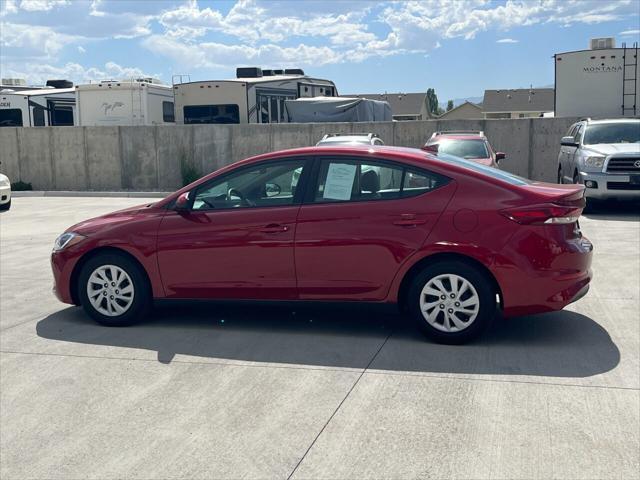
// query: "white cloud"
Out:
[213,54]
[37,73]
[81,49]
[22,40]
[254,22]
[42,5]
[507,40]
[8,7]
[627,33]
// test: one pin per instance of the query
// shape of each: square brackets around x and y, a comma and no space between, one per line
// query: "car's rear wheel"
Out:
[452,302]
[114,290]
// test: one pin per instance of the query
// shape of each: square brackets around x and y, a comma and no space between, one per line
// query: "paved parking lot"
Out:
[217,391]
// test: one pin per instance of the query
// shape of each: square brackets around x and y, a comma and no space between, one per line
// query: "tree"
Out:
[433,101]
[449,105]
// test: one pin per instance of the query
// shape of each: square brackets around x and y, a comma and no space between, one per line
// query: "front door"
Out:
[361,221]
[237,239]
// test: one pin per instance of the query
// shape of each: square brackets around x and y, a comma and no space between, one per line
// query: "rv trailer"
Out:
[46,107]
[601,82]
[132,102]
[255,96]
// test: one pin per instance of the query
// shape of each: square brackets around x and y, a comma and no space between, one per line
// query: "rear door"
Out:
[362,218]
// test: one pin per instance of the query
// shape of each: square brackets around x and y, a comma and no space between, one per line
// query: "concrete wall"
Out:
[148,158]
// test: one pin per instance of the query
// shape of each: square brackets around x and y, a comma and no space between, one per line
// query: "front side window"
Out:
[352,180]
[167,112]
[194,114]
[464,148]
[266,185]
[621,132]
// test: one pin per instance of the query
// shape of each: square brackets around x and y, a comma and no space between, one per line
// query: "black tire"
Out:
[142,291]
[6,206]
[485,293]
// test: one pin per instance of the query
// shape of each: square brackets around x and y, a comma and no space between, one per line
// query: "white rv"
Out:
[134,102]
[603,81]
[38,108]
[255,96]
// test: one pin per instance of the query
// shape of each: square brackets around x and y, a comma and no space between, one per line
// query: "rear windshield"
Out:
[612,133]
[490,171]
[464,148]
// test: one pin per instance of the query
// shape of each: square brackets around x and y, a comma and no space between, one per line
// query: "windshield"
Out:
[464,148]
[612,133]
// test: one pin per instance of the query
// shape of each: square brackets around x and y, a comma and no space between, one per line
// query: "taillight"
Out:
[547,213]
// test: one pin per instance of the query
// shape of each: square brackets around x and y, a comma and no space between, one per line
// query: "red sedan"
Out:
[470,145]
[449,240]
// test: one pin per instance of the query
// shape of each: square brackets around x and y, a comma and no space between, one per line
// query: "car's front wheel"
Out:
[114,290]
[452,302]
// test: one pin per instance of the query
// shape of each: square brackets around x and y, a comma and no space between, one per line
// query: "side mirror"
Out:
[433,148]
[568,142]
[272,189]
[500,156]
[182,202]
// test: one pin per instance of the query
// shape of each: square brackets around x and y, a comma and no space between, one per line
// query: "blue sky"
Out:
[458,47]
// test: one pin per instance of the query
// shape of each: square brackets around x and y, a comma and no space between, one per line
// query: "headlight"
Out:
[4,181]
[66,240]
[595,162]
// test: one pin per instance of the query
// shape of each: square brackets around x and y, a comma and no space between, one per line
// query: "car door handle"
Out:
[409,220]
[274,228]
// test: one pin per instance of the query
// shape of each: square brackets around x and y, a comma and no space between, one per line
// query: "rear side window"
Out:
[350,180]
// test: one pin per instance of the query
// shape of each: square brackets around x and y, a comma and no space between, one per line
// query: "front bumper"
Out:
[5,195]
[609,185]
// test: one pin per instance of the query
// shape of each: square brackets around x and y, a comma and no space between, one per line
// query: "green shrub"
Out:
[21,186]
[188,171]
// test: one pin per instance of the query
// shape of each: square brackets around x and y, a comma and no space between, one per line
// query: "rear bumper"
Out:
[609,186]
[556,275]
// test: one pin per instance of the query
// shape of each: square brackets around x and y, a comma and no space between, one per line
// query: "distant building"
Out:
[404,106]
[464,111]
[603,81]
[518,103]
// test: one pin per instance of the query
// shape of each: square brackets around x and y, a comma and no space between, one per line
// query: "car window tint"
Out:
[269,184]
[340,180]
[417,182]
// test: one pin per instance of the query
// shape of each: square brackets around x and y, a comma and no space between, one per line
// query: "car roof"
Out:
[454,136]
[611,120]
[344,139]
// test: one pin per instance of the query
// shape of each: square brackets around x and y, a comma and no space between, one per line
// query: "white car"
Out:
[5,192]
[604,156]
[332,139]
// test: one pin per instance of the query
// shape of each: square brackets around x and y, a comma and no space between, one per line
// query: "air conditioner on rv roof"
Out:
[602,43]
